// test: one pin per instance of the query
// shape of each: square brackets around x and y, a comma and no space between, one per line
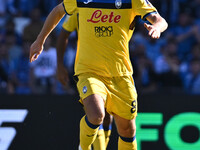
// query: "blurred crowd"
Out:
[171,63]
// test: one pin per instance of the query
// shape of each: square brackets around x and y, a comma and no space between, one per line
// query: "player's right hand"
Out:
[35,50]
[62,74]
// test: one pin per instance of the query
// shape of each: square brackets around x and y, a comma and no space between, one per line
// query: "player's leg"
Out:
[89,124]
[104,133]
[99,143]
[107,126]
[126,130]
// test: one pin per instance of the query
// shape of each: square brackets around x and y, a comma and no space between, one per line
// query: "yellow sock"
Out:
[99,143]
[107,132]
[107,136]
[127,143]
[88,133]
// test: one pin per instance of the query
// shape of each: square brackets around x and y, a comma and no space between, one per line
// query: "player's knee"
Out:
[129,131]
[132,131]
[96,118]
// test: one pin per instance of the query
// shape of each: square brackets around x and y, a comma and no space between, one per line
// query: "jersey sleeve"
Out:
[71,23]
[70,6]
[143,8]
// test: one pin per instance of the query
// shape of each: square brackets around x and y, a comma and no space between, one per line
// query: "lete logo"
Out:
[7,134]
[97,17]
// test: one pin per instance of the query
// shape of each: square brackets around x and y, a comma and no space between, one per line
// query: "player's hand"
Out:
[153,31]
[35,50]
[62,75]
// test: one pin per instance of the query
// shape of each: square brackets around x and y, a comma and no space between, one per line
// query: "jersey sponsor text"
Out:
[97,16]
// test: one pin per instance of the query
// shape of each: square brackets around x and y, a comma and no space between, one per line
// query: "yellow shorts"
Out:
[119,93]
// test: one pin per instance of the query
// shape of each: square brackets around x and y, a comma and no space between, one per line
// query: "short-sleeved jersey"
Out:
[71,22]
[104,34]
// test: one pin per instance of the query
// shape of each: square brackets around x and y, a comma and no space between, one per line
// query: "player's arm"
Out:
[158,26]
[61,45]
[52,20]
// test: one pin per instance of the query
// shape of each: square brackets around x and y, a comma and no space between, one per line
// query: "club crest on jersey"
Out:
[84,89]
[118,4]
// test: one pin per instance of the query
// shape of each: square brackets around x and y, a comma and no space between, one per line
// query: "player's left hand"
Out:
[153,31]
[62,74]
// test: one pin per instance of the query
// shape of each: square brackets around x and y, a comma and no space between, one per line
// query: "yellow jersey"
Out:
[71,22]
[104,34]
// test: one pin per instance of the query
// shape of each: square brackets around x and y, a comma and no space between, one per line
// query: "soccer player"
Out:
[102,63]
[71,24]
